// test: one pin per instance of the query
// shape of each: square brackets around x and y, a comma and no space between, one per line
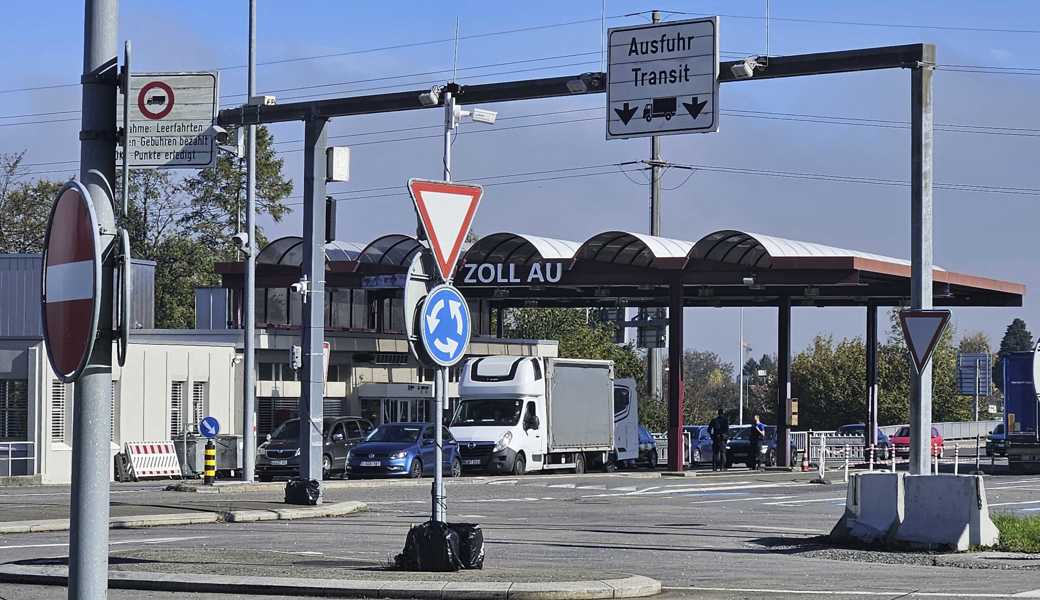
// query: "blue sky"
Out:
[988,234]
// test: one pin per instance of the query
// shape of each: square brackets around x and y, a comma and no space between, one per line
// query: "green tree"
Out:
[709,386]
[976,342]
[760,390]
[25,207]
[1017,338]
[829,380]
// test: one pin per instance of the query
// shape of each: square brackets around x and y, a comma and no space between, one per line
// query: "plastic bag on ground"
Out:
[471,544]
[430,546]
[299,491]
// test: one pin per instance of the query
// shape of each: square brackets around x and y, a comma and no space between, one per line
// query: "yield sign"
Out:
[71,282]
[446,213]
[921,330]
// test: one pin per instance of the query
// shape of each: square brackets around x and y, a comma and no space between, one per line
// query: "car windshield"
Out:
[743,434]
[472,413]
[903,432]
[395,433]
[290,430]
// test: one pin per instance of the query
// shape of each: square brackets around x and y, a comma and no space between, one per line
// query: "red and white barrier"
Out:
[152,459]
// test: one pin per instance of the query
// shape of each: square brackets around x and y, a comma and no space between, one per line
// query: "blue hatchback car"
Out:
[402,450]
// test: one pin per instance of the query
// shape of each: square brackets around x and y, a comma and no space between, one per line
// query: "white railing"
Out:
[661,441]
[17,459]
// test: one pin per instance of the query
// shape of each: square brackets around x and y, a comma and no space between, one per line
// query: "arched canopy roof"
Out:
[394,249]
[289,251]
[757,250]
[519,248]
[636,249]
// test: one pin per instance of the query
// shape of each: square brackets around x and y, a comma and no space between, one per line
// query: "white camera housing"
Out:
[263,101]
[430,98]
[481,115]
[745,69]
[337,164]
[241,240]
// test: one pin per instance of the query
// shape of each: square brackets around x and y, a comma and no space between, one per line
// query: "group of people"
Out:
[718,429]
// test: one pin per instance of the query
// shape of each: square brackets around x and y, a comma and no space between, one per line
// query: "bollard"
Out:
[823,457]
[957,459]
[846,463]
[210,473]
[870,459]
[892,455]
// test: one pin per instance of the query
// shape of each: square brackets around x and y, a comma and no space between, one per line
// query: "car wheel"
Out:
[652,462]
[326,466]
[771,458]
[519,465]
[415,470]
[456,468]
[265,477]
[579,463]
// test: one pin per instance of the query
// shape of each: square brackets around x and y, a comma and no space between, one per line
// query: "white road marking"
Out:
[121,542]
[768,528]
[869,593]
[592,487]
[1015,503]
[797,502]
[627,488]
[503,481]
[744,499]
[563,485]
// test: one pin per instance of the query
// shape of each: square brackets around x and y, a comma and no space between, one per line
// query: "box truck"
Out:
[519,415]
[1021,408]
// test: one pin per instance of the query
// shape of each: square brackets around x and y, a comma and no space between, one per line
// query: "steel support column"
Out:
[921,249]
[312,379]
[92,403]
[249,326]
[676,385]
[783,381]
[872,386]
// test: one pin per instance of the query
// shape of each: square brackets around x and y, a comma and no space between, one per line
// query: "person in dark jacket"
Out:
[756,437]
[718,429]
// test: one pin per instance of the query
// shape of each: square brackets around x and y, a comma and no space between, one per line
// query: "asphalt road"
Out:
[733,535]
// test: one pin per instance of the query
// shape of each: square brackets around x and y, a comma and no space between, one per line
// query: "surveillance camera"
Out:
[296,288]
[430,98]
[241,240]
[220,135]
[746,68]
[483,116]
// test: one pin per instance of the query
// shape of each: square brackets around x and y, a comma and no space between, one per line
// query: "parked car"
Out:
[884,444]
[700,444]
[279,455]
[996,442]
[738,448]
[403,450]
[647,449]
[901,442]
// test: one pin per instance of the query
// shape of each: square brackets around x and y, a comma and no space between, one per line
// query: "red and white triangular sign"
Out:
[922,330]
[446,213]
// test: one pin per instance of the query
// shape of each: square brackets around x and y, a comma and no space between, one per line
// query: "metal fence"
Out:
[661,440]
[954,430]
[17,459]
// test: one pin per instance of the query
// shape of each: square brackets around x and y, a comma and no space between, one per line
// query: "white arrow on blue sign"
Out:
[209,427]
[445,325]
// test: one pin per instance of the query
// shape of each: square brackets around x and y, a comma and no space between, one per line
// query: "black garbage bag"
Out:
[430,546]
[299,491]
[471,544]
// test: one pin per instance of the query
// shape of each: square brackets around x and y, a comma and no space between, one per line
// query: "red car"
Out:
[901,442]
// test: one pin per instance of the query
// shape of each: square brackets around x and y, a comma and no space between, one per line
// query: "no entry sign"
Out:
[71,281]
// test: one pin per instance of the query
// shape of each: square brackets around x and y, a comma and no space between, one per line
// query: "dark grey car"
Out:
[279,455]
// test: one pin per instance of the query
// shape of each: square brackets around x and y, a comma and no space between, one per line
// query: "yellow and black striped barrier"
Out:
[211,463]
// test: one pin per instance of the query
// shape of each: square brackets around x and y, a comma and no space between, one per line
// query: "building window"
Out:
[14,410]
[176,408]
[277,309]
[58,406]
[199,400]
[115,411]
[391,358]
[359,310]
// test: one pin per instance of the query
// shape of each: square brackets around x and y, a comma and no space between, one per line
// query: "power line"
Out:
[862,23]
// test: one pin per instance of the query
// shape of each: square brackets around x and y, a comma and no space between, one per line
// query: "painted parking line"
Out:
[867,593]
[798,502]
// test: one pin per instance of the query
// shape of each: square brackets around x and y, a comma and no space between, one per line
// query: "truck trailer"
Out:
[1021,408]
[519,415]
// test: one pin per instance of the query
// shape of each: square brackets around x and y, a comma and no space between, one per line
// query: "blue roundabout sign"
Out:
[445,325]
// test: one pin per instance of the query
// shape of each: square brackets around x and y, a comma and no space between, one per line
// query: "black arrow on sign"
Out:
[694,108]
[625,113]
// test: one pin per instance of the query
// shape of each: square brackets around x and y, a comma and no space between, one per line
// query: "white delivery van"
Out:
[519,415]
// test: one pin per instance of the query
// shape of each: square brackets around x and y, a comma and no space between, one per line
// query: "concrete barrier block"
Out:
[874,508]
[946,512]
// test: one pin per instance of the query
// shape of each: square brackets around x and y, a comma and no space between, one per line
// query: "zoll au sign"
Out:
[663,78]
[446,212]
[171,120]
[71,282]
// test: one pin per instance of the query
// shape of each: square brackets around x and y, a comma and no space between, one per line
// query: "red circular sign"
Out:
[155,100]
[70,282]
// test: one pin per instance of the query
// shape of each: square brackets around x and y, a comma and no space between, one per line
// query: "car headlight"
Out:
[503,442]
[297,452]
[401,454]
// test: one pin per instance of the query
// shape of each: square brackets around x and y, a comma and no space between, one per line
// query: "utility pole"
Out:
[740,369]
[654,362]
[921,249]
[249,295]
[92,404]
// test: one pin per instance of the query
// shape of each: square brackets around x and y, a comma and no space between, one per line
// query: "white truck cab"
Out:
[522,414]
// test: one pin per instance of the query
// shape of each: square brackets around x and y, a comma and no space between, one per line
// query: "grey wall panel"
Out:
[20,296]
[581,404]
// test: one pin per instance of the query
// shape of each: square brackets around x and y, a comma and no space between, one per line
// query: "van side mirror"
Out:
[532,422]
[268,437]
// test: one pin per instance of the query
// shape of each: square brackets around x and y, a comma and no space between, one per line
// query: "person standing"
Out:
[718,429]
[756,437]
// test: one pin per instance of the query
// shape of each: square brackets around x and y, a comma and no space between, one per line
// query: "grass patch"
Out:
[1018,533]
